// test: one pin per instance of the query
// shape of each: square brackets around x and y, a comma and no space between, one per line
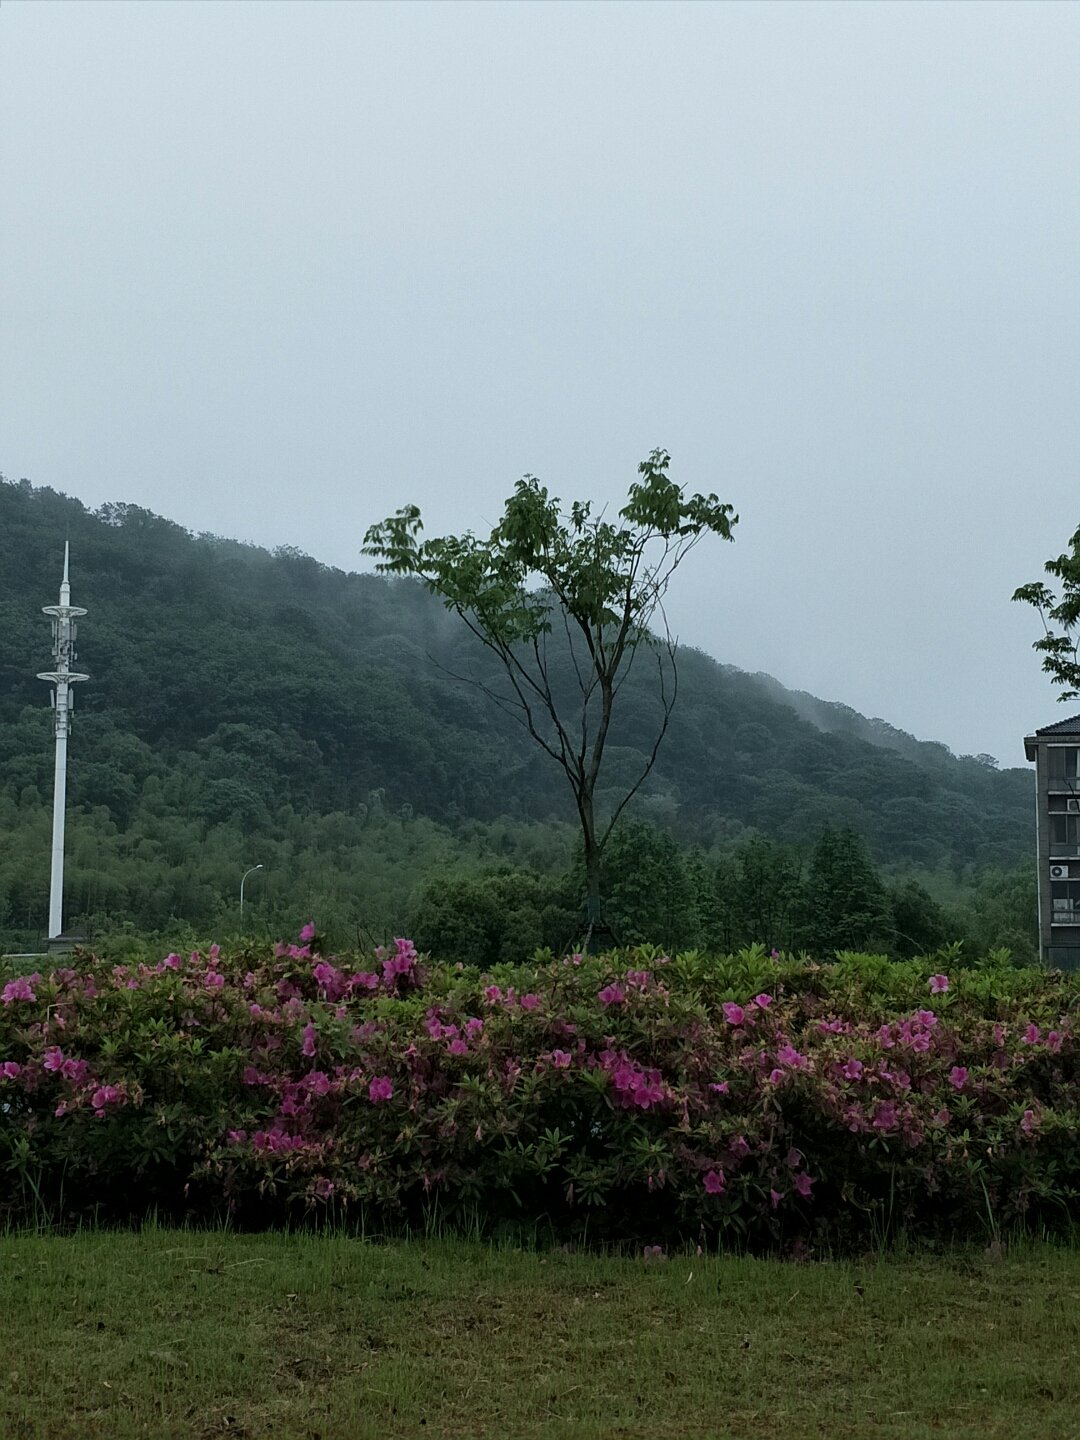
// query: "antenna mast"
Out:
[64,631]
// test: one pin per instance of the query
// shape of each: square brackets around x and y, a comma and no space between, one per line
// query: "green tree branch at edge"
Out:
[1060,648]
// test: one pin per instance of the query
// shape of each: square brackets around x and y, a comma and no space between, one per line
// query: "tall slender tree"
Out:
[600,583]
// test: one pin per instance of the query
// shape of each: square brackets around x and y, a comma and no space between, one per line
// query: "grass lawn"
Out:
[179,1333]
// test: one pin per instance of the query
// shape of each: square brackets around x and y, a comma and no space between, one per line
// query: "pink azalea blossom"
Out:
[105,1095]
[939,984]
[958,1077]
[1030,1122]
[20,988]
[612,995]
[310,1040]
[1032,1035]
[530,1002]
[774,1198]
[308,931]
[763,1001]
[53,1058]
[803,1182]
[236,1137]
[733,1014]
[458,1046]
[172,961]
[714,1182]
[853,1069]
[381,1088]
[886,1116]
[788,1055]
[561,1059]
[10,1070]
[214,980]
[720,1087]
[492,994]
[1053,1042]
[927,1018]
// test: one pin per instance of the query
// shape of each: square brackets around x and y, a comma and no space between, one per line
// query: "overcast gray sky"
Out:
[273,270]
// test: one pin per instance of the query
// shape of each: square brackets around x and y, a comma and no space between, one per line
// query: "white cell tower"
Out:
[64,631]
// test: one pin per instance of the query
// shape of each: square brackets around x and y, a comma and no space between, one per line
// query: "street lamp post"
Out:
[242,879]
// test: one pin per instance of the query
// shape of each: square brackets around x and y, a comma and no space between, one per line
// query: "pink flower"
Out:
[1030,1122]
[492,994]
[236,1137]
[733,1014]
[530,1002]
[308,931]
[776,1076]
[939,984]
[10,1070]
[458,1046]
[381,1088]
[774,1198]
[941,1117]
[788,1055]
[310,1039]
[474,1027]
[612,995]
[927,1018]
[105,1095]
[318,1082]
[172,961]
[53,1058]
[853,1069]
[365,980]
[714,1182]
[719,1087]
[18,989]
[1032,1035]
[1053,1042]
[803,1182]
[763,1001]
[214,980]
[885,1116]
[958,1077]
[561,1059]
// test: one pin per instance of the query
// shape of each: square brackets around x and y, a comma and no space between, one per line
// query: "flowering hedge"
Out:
[630,1098]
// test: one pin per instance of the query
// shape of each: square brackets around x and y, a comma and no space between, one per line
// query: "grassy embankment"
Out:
[186,1334]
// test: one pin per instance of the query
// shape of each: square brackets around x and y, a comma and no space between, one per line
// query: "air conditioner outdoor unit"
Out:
[1059,872]
[1073,807]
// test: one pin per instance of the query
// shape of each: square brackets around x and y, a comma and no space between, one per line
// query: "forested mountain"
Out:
[246,703]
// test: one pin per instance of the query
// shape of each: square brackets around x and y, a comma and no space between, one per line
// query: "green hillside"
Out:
[249,707]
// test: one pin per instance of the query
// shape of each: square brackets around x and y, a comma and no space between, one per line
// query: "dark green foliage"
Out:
[495,917]
[846,905]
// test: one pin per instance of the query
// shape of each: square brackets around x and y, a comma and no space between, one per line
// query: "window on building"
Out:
[1064,834]
[1063,764]
[1065,902]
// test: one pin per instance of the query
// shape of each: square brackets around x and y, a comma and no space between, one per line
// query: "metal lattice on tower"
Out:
[64,631]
